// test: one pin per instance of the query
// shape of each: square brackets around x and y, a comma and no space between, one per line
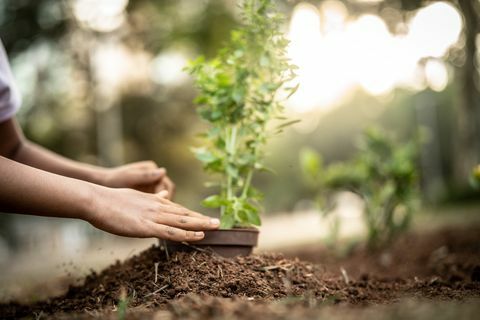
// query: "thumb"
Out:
[140,177]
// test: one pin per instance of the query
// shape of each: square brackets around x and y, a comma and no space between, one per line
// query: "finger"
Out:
[160,187]
[145,164]
[169,185]
[143,176]
[188,223]
[174,208]
[175,234]
[166,184]
[163,194]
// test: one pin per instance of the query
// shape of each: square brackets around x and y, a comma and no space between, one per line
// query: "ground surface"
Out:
[433,274]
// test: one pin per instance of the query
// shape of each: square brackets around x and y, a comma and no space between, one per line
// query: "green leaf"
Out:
[238,95]
[227,221]
[203,155]
[253,218]
[232,171]
[262,168]
[288,123]
[292,90]
[242,217]
[214,201]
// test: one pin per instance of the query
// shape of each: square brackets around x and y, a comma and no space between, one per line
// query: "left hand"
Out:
[144,176]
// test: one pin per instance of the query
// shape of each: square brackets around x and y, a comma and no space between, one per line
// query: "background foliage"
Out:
[110,91]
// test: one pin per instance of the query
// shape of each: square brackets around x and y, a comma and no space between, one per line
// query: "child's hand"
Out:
[131,213]
[143,176]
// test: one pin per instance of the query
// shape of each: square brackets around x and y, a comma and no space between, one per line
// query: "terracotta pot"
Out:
[227,243]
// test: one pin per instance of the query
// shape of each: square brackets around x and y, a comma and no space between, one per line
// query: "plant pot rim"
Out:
[240,229]
[236,237]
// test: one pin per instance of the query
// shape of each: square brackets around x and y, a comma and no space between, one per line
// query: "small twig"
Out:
[158,290]
[156,271]
[287,267]
[220,271]
[195,247]
[345,275]
[165,247]
[268,268]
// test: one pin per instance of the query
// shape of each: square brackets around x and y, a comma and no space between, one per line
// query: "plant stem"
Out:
[231,148]
[247,183]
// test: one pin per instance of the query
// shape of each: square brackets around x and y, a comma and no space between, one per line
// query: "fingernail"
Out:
[199,234]
[158,172]
[214,221]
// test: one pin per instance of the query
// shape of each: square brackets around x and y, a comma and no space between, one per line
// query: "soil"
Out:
[451,253]
[437,266]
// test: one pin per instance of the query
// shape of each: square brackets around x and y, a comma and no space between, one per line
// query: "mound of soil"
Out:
[151,279]
[154,280]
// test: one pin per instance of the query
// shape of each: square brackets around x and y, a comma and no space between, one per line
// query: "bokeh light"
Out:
[100,15]
[336,55]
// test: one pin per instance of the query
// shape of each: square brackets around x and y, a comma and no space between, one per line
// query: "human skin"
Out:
[37,181]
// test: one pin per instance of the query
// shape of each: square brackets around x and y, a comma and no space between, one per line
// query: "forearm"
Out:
[36,156]
[15,146]
[144,175]
[27,190]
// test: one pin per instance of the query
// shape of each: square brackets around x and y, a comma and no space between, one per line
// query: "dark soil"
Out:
[450,253]
[442,265]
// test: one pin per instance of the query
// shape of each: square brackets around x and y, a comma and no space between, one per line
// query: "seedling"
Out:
[122,306]
[383,174]
[239,98]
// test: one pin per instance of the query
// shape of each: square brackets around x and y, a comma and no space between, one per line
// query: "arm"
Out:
[125,212]
[145,176]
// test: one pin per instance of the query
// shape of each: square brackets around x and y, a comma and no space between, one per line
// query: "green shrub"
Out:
[383,173]
[239,98]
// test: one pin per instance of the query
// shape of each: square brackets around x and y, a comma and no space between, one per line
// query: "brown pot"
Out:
[227,243]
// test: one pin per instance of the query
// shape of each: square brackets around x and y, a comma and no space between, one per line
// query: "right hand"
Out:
[144,176]
[131,213]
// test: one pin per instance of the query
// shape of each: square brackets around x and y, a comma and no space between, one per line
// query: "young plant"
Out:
[383,174]
[122,305]
[238,97]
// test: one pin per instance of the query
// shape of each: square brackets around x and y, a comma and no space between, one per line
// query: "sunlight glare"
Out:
[336,55]
[316,56]
[100,15]
[434,29]
[167,68]
[117,68]
[372,44]
[436,75]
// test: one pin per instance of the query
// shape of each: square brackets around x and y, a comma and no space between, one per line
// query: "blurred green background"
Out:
[102,82]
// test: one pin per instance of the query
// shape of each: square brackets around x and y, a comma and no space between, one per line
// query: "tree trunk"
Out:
[467,146]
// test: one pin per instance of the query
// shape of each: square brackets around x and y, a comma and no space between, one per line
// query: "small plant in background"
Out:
[475,177]
[239,98]
[383,174]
